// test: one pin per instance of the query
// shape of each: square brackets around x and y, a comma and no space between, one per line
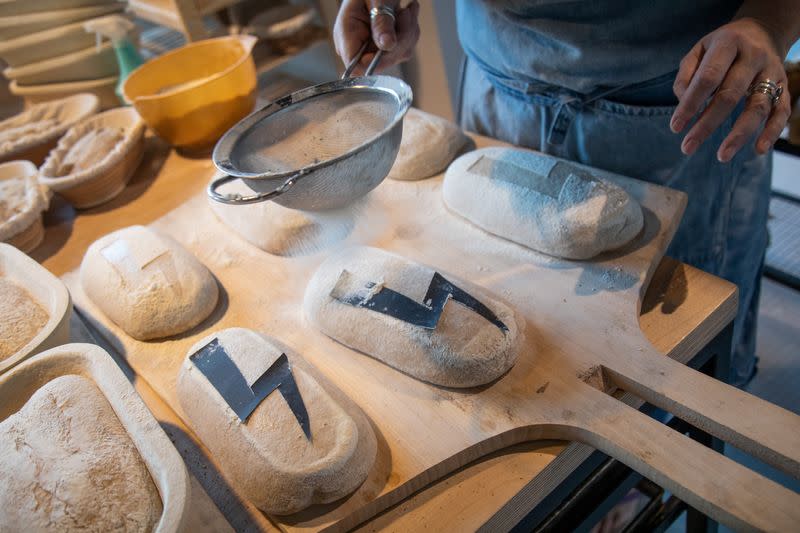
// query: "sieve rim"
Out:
[396,87]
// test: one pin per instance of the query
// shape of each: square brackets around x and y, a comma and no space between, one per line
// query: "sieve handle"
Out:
[353,62]
[238,199]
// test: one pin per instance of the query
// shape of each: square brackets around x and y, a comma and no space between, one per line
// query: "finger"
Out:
[351,29]
[775,123]
[756,111]
[730,93]
[351,39]
[407,36]
[713,67]
[687,68]
[383,25]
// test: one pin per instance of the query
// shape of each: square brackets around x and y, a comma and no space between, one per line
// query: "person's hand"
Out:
[396,38]
[722,66]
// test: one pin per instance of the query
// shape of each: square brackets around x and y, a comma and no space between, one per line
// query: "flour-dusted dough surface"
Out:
[22,198]
[547,204]
[147,283]
[21,318]
[282,231]
[89,150]
[463,350]
[268,457]
[44,122]
[429,144]
[67,464]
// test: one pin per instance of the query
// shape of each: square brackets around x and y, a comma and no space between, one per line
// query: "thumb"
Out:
[383,26]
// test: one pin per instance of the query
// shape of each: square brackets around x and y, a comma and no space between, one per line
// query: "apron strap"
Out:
[571,104]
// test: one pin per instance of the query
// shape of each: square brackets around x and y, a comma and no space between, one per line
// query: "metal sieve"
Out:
[318,148]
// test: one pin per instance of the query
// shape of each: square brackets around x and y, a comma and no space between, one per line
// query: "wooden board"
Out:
[581,325]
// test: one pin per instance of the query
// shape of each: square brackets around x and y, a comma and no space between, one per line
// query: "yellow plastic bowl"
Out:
[192,95]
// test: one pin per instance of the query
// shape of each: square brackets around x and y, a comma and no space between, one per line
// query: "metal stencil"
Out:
[220,370]
[391,303]
[516,173]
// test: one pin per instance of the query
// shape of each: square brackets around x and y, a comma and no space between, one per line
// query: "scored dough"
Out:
[544,203]
[463,350]
[147,283]
[268,456]
[429,144]
[67,464]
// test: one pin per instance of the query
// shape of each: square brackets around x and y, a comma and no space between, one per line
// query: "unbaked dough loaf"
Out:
[463,350]
[147,283]
[282,231]
[429,144]
[544,203]
[268,456]
[21,318]
[67,464]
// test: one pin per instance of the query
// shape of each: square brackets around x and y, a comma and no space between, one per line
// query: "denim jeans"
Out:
[626,130]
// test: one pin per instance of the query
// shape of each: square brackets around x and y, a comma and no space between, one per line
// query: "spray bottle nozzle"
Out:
[116,28]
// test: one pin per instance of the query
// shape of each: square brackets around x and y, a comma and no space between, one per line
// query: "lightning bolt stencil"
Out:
[391,303]
[220,370]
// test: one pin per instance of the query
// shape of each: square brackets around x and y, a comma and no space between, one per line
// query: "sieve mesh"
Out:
[314,130]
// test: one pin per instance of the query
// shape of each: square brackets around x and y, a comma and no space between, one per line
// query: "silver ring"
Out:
[382,10]
[767,87]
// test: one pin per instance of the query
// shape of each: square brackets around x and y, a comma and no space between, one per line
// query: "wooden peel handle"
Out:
[755,426]
[703,478]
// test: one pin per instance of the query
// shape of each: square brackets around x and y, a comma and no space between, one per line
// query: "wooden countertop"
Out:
[683,309]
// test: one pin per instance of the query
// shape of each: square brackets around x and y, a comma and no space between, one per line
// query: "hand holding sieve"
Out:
[318,148]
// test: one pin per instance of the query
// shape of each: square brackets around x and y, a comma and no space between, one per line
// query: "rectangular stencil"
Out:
[129,260]
[520,176]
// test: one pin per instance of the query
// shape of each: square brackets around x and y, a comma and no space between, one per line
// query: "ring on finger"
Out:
[767,87]
[382,10]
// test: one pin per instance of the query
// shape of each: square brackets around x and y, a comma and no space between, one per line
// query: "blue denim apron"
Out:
[626,130]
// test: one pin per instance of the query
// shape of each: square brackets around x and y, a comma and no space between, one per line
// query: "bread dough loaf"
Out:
[282,231]
[544,203]
[429,144]
[67,464]
[268,456]
[21,318]
[147,283]
[463,350]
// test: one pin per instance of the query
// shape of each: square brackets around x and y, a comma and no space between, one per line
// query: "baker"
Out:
[690,94]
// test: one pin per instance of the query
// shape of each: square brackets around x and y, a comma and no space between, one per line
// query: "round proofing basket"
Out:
[106,179]
[13,26]
[25,230]
[29,238]
[86,64]
[103,89]
[24,7]
[46,44]
[35,146]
